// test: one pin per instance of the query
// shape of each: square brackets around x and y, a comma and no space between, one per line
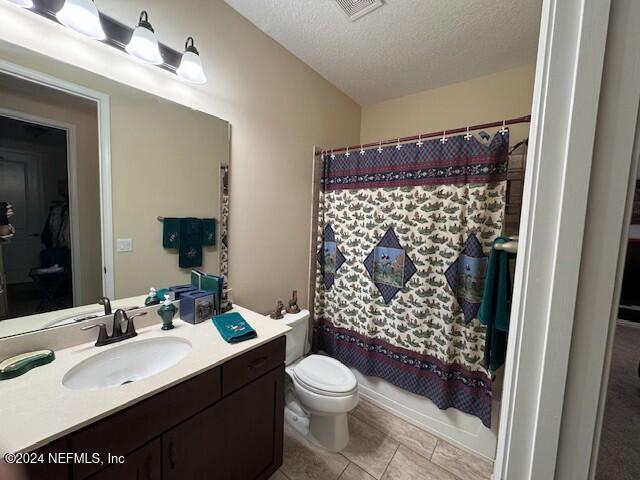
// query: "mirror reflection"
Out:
[94,213]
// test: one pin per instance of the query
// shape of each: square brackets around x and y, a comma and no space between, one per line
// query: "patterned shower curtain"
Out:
[403,237]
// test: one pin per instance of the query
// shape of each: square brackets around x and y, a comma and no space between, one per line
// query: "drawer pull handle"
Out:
[258,363]
[172,455]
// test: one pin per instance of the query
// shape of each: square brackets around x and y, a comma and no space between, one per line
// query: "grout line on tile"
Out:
[392,457]
[418,453]
[386,434]
[283,474]
[345,469]
[435,448]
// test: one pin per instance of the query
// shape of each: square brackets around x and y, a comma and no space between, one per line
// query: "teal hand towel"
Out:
[171,232]
[233,327]
[190,253]
[495,307]
[208,231]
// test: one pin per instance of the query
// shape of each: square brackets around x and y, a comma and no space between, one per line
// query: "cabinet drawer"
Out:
[125,431]
[251,365]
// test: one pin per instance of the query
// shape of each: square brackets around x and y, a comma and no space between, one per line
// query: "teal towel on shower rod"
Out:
[495,307]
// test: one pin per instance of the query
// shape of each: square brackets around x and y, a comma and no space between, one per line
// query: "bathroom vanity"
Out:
[215,414]
[203,427]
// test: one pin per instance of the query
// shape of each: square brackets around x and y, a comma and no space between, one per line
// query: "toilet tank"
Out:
[297,337]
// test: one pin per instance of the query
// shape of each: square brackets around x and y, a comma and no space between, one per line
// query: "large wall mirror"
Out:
[89,171]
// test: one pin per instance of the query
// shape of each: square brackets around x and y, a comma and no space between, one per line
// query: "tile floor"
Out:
[382,447]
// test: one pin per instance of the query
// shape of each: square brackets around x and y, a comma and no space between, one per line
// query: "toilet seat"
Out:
[325,376]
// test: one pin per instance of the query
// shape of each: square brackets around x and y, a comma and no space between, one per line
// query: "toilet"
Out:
[320,390]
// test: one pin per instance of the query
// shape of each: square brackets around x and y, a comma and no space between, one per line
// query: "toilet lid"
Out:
[326,374]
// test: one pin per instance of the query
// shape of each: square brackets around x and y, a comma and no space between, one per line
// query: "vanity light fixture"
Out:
[83,17]
[144,44]
[22,3]
[190,68]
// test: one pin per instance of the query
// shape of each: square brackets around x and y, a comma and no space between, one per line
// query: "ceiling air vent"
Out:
[358,8]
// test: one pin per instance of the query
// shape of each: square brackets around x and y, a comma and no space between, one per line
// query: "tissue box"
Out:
[196,306]
[209,283]
[179,290]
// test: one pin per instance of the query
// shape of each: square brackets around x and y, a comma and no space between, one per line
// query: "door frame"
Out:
[72,177]
[569,68]
[102,101]
[615,165]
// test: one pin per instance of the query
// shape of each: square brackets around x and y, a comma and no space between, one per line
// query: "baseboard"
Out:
[462,438]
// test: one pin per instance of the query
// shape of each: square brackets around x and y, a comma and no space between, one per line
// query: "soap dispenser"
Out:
[152,298]
[167,311]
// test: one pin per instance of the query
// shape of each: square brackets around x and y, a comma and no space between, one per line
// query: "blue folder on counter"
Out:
[233,327]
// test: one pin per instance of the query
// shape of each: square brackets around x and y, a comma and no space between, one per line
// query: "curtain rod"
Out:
[512,121]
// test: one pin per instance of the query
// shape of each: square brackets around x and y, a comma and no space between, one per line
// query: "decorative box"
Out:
[196,306]
[179,290]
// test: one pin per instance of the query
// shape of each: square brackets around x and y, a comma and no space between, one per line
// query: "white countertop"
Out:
[36,408]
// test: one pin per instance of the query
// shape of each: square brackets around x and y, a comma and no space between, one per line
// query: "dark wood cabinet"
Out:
[48,469]
[224,424]
[143,464]
[253,433]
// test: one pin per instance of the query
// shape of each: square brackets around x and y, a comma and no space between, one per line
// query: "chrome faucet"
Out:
[107,305]
[117,335]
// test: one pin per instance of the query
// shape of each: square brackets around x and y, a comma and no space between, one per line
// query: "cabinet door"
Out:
[195,449]
[255,427]
[239,438]
[49,470]
[142,464]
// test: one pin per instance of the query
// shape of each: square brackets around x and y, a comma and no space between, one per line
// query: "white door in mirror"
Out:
[127,363]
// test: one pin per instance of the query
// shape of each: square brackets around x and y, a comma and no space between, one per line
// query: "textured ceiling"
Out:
[404,47]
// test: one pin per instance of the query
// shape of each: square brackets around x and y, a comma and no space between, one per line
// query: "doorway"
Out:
[619,444]
[34,180]
[49,142]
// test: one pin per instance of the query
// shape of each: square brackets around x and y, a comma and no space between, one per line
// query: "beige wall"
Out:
[166,161]
[278,108]
[485,99]
[30,99]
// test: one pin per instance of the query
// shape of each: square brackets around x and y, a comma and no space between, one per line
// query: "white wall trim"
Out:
[104,147]
[72,159]
[566,94]
[615,160]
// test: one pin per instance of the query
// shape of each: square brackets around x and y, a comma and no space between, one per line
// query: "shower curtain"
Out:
[404,233]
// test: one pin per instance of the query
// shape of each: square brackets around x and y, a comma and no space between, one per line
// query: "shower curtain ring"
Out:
[346,154]
[379,146]
[398,146]
[420,142]
[361,150]
[468,134]
[444,138]
[333,155]
[504,129]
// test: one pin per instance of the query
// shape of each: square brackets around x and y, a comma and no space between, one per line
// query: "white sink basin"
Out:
[126,363]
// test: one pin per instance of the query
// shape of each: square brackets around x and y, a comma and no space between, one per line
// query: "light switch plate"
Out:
[124,245]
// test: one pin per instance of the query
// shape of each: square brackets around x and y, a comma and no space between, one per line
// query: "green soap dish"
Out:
[20,364]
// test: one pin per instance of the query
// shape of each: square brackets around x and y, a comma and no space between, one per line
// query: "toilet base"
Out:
[331,432]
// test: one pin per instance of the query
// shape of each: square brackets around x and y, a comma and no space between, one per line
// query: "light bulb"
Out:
[83,17]
[144,44]
[190,67]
